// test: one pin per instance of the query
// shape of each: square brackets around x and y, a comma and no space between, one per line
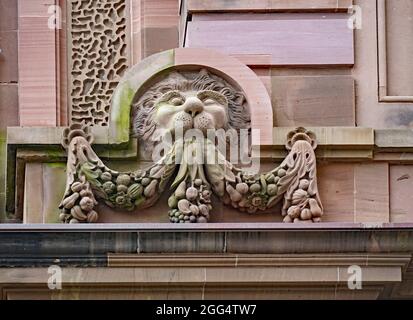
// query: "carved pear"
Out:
[315,208]
[150,189]
[180,192]
[233,194]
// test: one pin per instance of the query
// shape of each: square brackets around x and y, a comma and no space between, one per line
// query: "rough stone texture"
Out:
[98,55]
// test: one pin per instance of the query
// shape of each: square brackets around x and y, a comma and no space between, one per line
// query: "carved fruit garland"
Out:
[88,177]
[295,180]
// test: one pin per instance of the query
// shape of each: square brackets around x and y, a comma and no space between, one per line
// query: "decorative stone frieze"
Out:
[176,104]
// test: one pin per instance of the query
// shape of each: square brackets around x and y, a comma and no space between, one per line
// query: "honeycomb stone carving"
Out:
[98,57]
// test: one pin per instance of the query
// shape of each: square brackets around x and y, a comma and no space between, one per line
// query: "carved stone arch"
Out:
[230,69]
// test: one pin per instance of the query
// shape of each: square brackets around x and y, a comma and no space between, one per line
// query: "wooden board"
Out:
[290,39]
[401,193]
[313,101]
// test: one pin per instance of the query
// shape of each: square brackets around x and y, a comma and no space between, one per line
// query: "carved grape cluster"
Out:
[190,203]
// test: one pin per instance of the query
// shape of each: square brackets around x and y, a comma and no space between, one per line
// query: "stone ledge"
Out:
[331,137]
[394,139]
[199,6]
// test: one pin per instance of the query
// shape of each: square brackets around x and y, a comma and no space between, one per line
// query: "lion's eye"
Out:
[176,101]
[209,101]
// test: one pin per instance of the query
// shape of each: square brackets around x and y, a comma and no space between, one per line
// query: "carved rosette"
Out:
[295,181]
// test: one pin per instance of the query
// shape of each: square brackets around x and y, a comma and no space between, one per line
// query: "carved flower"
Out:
[256,201]
[121,200]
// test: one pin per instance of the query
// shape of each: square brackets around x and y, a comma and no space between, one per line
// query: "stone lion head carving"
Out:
[195,100]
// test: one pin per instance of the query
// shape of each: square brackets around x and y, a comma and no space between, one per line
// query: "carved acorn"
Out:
[198,182]
[77,213]
[287,219]
[74,221]
[92,217]
[70,201]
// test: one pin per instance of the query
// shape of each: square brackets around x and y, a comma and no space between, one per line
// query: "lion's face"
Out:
[201,110]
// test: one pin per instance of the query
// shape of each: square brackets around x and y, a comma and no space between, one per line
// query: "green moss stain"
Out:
[55,183]
[3,162]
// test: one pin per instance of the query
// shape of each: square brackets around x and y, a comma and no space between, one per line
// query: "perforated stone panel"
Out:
[98,45]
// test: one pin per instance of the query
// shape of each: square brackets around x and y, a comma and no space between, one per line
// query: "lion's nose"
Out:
[193,106]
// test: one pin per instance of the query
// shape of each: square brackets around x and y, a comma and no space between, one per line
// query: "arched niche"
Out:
[230,69]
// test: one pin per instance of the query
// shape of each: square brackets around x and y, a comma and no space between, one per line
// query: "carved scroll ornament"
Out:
[203,102]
